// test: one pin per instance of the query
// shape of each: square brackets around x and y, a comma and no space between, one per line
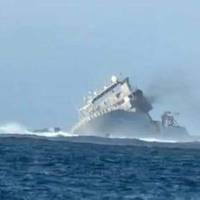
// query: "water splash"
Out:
[19,129]
[159,140]
[13,128]
[144,139]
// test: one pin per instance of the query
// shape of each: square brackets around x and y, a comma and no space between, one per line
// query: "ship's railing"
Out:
[98,113]
[94,115]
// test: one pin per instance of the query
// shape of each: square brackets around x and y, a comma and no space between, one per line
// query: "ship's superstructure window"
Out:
[120,108]
[118,95]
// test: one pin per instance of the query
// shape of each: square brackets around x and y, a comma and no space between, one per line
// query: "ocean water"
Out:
[44,169]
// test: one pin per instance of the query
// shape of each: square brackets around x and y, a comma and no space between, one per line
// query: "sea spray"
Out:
[19,129]
[13,128]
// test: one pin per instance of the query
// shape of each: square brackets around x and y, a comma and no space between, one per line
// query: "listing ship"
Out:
[122,110]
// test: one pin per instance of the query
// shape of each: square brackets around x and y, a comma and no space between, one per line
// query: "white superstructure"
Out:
[116,95]
[121,109]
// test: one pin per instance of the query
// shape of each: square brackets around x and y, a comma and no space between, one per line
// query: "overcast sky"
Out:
[53,52]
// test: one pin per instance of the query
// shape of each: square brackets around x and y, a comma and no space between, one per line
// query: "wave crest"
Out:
[13,128]
[19,129]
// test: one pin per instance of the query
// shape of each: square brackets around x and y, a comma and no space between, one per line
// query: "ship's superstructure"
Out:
[120,109]
[119,95]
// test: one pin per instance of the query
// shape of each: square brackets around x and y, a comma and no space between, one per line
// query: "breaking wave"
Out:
[19,129]
[158,140]
[13,128]
[145,139]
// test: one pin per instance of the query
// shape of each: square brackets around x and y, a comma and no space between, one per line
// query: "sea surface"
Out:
[46,169]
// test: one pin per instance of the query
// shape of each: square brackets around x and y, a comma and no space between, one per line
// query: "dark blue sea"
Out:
[42,169]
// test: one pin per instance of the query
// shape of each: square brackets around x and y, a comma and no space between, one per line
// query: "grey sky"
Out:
[53,52]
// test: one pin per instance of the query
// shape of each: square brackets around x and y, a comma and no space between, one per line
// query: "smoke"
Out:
[166,87]
[176,89]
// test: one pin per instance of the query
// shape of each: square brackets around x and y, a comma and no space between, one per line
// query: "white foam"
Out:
[53,134]
[158,140]
[13,128]
[16,128]
[143,139]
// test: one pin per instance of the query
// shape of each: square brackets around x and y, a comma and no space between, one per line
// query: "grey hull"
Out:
[121,123]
